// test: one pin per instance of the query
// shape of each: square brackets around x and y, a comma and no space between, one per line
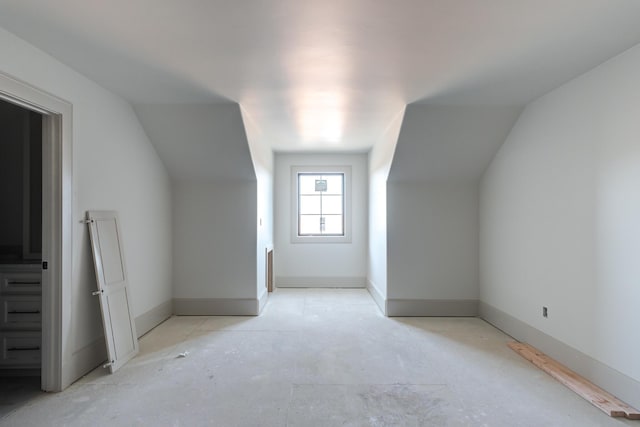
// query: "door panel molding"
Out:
[113,288]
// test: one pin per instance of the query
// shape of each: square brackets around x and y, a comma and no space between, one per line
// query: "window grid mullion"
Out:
[321,230]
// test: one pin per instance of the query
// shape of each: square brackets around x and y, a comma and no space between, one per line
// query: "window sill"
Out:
[321,239]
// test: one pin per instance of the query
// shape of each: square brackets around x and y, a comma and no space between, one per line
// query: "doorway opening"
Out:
[20,250]
[35,290]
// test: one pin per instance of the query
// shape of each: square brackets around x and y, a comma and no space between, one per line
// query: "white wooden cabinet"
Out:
[20,316]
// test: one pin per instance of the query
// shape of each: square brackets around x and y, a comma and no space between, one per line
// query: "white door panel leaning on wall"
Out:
[111,275]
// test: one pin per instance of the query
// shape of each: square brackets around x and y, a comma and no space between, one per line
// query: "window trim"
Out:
[346,171]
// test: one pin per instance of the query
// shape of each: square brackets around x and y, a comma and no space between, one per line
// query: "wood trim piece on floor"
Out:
[599,398]
[615,382]
[320,282]
[431,308]
[152,318]
[269,268]
[216,306]
[377,296]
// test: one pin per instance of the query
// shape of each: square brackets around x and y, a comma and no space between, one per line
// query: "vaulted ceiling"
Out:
[327,75]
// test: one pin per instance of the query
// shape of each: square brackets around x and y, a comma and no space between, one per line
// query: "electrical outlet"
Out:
[545,312]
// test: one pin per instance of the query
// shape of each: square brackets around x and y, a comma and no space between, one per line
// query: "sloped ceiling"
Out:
[327,75]
[199,142]
[449,143]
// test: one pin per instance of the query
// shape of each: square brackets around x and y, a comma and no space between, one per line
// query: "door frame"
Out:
[57,214]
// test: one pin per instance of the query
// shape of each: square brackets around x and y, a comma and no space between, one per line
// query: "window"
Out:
[320,204]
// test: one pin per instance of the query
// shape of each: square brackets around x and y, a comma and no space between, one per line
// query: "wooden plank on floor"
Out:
[589,391]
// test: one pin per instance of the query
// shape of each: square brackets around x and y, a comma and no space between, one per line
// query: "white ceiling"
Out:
[199,142]
[327,75]
[449,142]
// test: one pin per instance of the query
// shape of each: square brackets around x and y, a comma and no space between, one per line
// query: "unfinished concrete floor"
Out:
[317,357]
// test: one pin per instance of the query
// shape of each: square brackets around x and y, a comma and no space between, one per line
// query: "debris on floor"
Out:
[606,402]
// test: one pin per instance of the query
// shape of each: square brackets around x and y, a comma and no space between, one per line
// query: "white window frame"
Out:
[346,171]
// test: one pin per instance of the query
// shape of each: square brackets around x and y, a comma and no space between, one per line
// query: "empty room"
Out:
[320,213]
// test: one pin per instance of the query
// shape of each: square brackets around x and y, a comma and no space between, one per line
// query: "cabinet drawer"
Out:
[20,283]
[20,349]
[21,312]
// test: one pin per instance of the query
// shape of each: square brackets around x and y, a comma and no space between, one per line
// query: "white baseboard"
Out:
[85,360]
[152,318]
[216,306]
[94,354]
[377,296]
[609,379]
[431,308]
[320,282]
[262,300]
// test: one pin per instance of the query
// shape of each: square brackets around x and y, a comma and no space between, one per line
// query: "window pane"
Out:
[307,183]
[333,224]
[309,224]
[320,213]
[331,205]
[334,183]
[309,205]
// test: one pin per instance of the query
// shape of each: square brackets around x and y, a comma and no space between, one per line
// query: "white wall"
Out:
[265,225]
[317,264]
[114,167]
[560,216]
[380,158]
[262,157]
[432,240]
[432,206]
[214,239]
[216,177]
[377,248]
